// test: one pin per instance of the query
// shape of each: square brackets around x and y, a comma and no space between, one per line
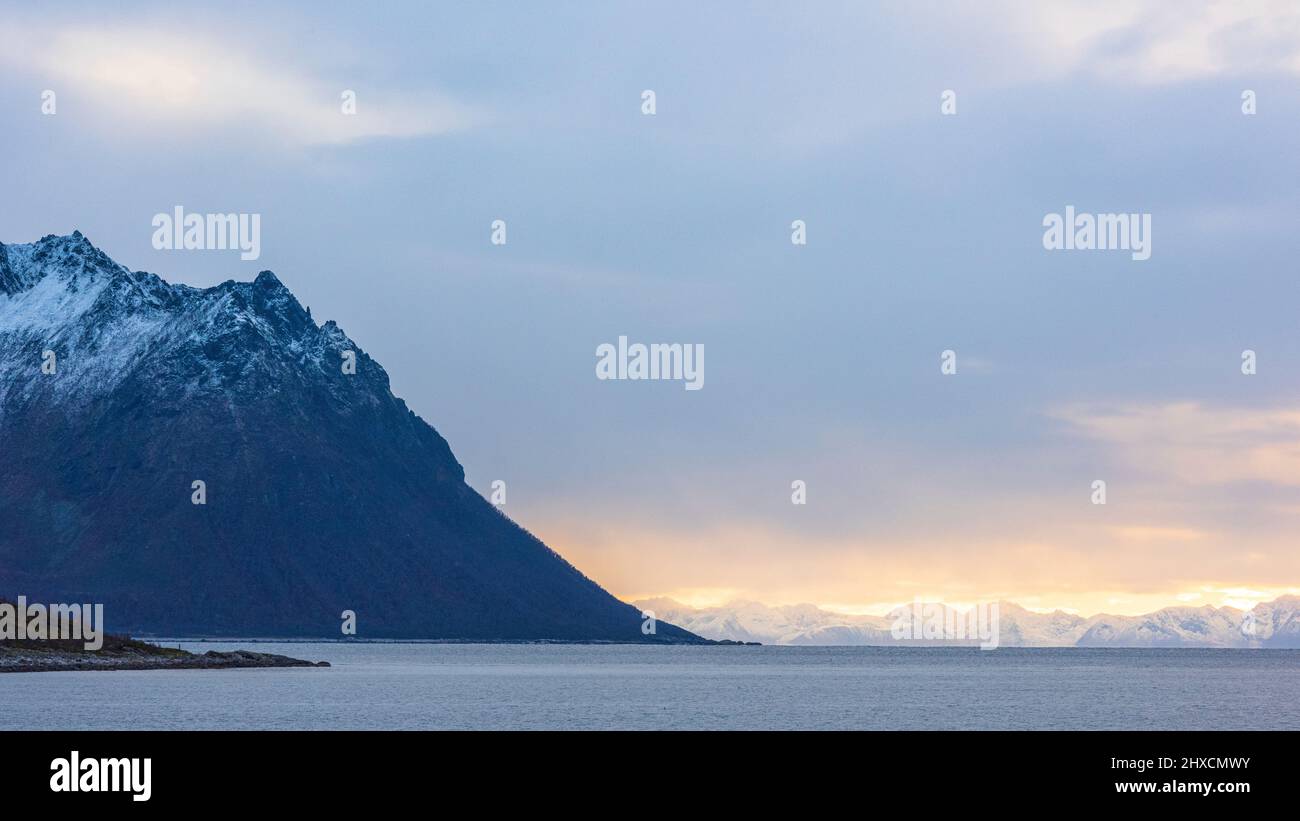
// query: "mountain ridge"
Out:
[1274,624]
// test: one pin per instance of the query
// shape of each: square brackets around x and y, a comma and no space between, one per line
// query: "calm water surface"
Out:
[432,686]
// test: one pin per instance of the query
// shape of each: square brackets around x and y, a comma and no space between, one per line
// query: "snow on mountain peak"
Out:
[72,258]
[66,302]
[1270,624]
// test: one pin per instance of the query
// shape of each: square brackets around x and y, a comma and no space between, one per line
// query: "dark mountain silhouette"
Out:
[324,492]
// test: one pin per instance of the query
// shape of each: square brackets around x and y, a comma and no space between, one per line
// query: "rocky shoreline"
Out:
[118,653]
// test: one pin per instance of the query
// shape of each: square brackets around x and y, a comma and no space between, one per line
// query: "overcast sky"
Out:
[823,361]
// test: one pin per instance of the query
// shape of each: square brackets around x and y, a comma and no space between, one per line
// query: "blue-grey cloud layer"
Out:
[924,235]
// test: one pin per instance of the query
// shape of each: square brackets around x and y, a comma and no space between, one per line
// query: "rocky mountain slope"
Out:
[324,492]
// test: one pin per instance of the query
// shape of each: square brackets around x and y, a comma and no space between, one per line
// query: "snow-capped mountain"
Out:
[322,491]
[104,323]
[1270,624]
[791,624]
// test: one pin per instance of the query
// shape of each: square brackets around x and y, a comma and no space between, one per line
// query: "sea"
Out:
[426,686]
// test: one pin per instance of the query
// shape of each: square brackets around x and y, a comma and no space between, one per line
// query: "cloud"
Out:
[1189,442]
[1081,568]
[156,78]
[1151,533]
[1157,42]
[1149,42]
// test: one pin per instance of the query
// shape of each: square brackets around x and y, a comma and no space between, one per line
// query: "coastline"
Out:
[35,656]
[578,642]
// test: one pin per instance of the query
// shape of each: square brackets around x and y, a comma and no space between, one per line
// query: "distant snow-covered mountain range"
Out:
[1269,624]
